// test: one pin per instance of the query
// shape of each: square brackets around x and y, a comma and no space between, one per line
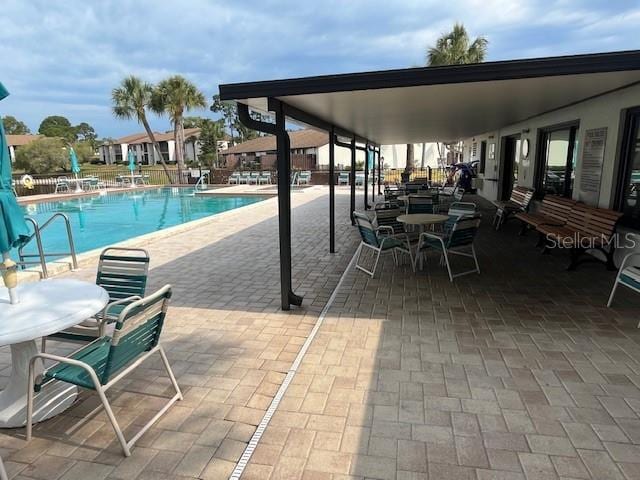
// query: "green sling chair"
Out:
[122,272]
[105,361]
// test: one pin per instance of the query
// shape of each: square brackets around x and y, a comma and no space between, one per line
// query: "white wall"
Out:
[604,111]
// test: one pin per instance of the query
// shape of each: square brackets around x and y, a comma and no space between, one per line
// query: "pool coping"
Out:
[64,264]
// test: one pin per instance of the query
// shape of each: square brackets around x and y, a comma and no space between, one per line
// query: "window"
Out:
[628,196]
[557,160]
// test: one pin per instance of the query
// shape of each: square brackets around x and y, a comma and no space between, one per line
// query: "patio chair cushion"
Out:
[631,276]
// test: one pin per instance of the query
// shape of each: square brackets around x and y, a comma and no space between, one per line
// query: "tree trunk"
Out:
[178,151]
[408,167]
[156,145]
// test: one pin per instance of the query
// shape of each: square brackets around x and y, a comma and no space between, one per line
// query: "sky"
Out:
[64,58]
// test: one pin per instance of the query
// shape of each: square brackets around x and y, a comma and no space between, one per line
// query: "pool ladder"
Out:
[200,185]
[42,255]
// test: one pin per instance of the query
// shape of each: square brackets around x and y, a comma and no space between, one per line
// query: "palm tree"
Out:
[130,100]
[175,96]
[456,48]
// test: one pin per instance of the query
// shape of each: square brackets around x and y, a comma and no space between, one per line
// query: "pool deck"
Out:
[518,373]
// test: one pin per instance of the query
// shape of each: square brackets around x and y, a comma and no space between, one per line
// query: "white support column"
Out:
[171,144]
[12,153]
[123,149]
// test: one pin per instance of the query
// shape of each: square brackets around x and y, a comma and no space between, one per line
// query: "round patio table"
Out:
[422,219]
[44,307]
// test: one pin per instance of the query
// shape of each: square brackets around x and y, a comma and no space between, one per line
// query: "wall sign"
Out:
[592,160]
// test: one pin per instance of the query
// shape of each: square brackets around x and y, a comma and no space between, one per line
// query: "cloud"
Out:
[66,57]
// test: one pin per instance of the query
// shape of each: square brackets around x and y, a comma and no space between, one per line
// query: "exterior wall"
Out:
[603,111]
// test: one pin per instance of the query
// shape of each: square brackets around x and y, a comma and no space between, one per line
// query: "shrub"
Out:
[45,155]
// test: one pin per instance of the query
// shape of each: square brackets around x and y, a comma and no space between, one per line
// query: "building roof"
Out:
[307,138]
[443,103]
[19,140]
[130,138]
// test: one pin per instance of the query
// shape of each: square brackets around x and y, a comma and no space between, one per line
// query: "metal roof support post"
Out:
[373,174]
[283,164]
[379,172]
[352,180]
[366,177]
[332,191]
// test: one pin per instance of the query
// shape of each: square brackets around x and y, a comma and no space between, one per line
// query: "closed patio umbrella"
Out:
[13,229]
[132,166]
[75,166]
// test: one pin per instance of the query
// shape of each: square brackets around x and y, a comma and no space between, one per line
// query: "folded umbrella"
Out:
[13,229]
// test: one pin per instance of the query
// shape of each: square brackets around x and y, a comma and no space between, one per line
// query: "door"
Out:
[628,192]
[557,160]
[510,162]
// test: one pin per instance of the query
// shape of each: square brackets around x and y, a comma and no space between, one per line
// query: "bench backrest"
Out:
[556,207]
[592,221]
[522,196]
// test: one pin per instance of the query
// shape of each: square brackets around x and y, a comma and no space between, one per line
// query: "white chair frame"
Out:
[630,260]
[102,389]
[444,255]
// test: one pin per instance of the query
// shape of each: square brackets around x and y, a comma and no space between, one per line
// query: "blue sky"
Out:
[64,58]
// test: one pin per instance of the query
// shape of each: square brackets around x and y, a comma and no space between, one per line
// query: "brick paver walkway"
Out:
[520,372]
[228,342]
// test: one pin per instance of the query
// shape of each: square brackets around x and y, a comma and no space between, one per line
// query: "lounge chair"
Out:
[264,178]
[343,178]
[234,178]
[62,185]
[101,364]
[378,240]
[253,178]
[628,275]
[304,178]
[457,239]
[122,272]
[244,178]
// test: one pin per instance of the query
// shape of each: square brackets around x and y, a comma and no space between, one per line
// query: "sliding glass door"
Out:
[557,160]
[629,179]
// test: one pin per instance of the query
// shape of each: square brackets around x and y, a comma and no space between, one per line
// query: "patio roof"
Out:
[442,103]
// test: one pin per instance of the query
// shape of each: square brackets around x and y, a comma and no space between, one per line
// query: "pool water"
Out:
[102,220]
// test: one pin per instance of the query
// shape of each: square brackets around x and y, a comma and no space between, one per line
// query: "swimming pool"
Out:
[101,220]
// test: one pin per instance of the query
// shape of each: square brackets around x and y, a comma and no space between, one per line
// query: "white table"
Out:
[45,307]
[79,182]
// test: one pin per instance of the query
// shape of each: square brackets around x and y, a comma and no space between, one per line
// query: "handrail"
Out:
[41,255]
[200,181]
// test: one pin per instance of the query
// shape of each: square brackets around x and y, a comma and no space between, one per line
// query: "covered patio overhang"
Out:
[418,105]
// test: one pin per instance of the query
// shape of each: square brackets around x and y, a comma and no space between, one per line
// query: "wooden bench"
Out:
[586,228]
[518,202]
[554,210]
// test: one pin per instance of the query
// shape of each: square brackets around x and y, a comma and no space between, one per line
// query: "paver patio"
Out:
[520,372]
